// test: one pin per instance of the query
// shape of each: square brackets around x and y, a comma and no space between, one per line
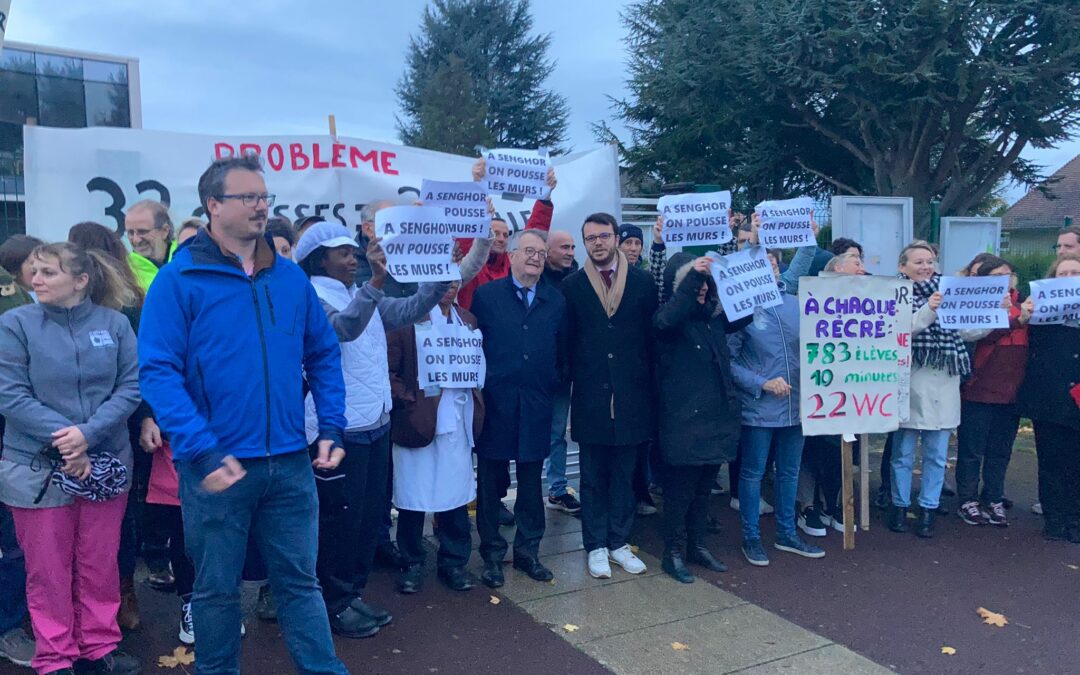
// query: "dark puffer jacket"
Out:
[699,414]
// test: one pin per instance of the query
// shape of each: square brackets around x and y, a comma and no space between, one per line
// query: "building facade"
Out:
[54,87]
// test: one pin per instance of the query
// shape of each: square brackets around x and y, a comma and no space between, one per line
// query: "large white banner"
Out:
[74,175]
[854,333]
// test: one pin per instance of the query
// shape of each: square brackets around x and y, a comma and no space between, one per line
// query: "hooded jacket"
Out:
[224,355]
[699,406]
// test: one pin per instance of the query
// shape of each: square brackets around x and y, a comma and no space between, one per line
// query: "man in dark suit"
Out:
[524,327]
[610,305]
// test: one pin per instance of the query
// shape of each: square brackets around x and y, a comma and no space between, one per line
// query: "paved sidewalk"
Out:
[630,623]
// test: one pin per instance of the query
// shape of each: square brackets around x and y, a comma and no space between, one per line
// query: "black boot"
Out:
[673,564]
[898,519]
[925,528]
[699,555]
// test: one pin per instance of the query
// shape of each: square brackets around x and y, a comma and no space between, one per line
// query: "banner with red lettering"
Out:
[855,353]
[74,175]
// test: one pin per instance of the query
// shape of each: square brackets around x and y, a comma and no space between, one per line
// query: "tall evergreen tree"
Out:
[507,65]
[450,118]
[933,99]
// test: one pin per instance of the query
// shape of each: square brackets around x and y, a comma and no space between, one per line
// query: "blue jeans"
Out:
[935,451]
[556,461]
[755,444]
[276,501]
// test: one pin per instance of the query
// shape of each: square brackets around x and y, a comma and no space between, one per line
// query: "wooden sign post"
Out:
[854,343]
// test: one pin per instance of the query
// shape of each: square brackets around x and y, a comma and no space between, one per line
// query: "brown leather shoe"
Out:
[128,616]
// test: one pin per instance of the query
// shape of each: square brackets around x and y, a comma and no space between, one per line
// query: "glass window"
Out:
[17,60]
[62,102]
[104,71]
[107,105]
[19,98]
[59,66]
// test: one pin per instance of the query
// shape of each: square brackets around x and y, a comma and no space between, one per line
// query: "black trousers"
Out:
[453,531]
[607,494]
[351,501]
[686,504]
[821,459]
[528,511]
[171,524]
[1059,475]
[643,473]
[984,447]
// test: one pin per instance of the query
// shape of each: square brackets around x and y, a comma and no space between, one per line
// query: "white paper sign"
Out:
[449,355]
[517,172]
[696,218]
[744,280]
[1056,300]
[973,302]
[854,335]
[96,173]
[786,223]
[417,243]
[464,206]
[5,12]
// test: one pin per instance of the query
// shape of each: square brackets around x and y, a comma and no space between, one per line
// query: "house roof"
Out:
[1034,210]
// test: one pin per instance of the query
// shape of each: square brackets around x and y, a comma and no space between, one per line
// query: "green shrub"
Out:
[1030,266]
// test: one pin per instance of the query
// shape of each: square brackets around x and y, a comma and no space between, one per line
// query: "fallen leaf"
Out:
[679,647]
[948,651]
[634,548]
[180,657]
[494,600]
[992,618]
[569,628]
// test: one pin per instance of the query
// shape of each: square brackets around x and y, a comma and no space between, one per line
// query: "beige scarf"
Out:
[609,297]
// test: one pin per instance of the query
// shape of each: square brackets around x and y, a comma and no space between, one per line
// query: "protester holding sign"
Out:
[698,408]
[765,365]
[498,262]
[939,360]
[433,430]
[352,495]
[989,415]
[1050,396]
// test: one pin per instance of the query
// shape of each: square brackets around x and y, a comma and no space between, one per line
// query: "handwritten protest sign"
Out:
[973,302]
[449,355]
[745,280]
[786,223]
[417,242]
[696,218]
[464,205]
[1056,300]
[517,172]
[854,333]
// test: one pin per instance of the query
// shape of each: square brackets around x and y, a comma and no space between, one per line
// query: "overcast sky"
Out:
[280,66]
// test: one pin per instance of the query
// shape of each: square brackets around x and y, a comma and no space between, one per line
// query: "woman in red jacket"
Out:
[989,413]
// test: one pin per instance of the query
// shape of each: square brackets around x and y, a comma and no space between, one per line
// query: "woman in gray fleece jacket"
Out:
[68,382]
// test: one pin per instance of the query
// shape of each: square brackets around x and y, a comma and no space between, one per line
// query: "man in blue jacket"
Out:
[229,330]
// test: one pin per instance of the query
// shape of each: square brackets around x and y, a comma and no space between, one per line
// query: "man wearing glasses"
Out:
[229,332]
[149,229]
[523,322]
[610,305]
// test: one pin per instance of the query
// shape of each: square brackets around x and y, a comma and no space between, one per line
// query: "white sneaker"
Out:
[626,559]
[764,507]
[598,564]
[645,509]
[1036,508]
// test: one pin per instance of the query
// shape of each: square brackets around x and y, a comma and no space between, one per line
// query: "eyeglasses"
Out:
[603,236]
[251,199]
[531,252]
[142,234]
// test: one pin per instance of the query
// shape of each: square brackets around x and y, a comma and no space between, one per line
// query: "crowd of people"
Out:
[239,400]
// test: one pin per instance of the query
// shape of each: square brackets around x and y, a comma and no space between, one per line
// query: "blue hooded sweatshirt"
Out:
[223,357]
